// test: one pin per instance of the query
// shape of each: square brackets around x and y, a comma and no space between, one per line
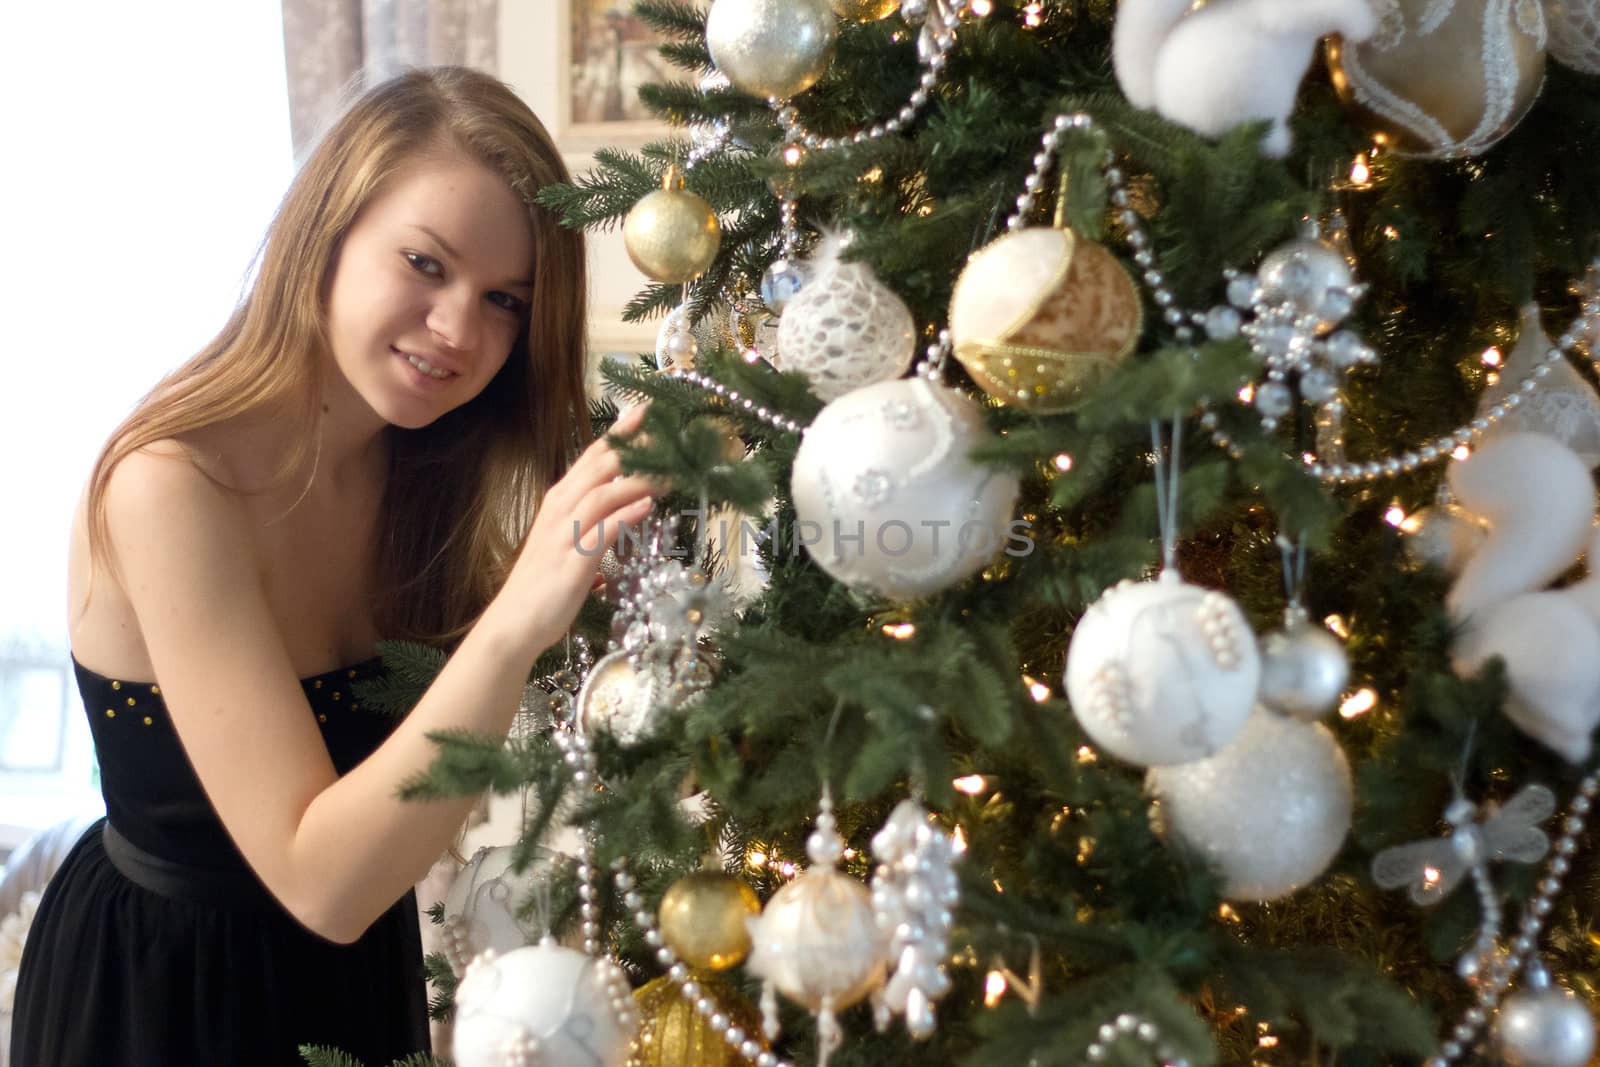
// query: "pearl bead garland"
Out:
[943,36]
[733,396]
[1130,1026]
[1502,970]
[1182,324]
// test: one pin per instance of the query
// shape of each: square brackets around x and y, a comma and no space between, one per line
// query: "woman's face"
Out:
[430,288]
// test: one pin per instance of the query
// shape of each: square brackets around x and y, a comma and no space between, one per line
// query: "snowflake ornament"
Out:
[1289,312]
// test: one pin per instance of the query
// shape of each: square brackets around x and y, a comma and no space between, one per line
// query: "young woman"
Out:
[358,454]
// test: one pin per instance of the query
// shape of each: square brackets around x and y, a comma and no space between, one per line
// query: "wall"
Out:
[534,60]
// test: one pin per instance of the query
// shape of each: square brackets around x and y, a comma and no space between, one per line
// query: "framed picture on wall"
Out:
[609,53]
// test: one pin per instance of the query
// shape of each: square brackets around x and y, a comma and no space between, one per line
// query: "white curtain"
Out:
[328,43]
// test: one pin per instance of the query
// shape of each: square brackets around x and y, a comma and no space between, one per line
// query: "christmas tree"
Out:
[1239,352]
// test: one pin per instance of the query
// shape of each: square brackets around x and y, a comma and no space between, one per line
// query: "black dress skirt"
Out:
[155,945]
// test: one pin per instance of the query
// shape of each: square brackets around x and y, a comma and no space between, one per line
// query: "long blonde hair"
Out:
[461,490]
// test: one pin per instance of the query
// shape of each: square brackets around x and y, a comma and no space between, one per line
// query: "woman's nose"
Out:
[453,319]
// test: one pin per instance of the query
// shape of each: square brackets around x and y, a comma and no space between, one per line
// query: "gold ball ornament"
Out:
[865,10]
[1444,78]
[1040,315]
[672,1034]
[672,234]
[771,48]
[703,918]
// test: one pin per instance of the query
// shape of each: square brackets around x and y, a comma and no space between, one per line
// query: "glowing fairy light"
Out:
[1360,173]
[1492,357]
[1336,623]
[958,841]
[900,631]
[982,8]
[971,784]
[994,987]
[1036,689]
[1247,394]
[1395,516]
[1358,704]
[1063,462]
[1461,452]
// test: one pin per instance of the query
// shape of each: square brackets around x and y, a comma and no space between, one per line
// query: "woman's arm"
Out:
[336,852]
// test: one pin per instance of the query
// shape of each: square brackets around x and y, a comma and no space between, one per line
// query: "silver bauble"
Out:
[1546,1027]
[818,939]
[782,281]
[1574,32]
[1304,670]
[844,329]
[771,48]
[885,496]
[543,1006]
[1162,672]
[1311,275]
[1443,535]
[1269,812]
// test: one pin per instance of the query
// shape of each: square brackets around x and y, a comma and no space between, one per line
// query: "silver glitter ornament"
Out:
[1309,274]
[1269,812]
[771,48]
[1543,1025]
[1443,535]
[1304,669]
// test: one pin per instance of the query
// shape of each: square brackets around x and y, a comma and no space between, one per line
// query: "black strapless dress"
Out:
[155,945]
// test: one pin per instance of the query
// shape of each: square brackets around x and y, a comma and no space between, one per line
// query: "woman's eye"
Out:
[506,300]
[425,264]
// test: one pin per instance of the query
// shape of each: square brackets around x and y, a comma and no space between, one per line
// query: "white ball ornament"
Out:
[1270,811]
[844,329]
[771,48]
[1162,672]
[1543,1025]
[543,1006]
[817,941]
[480,911]
[888,501]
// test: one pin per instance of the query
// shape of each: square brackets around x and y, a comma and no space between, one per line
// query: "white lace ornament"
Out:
[1574,27]
[1564,406]
[845,329]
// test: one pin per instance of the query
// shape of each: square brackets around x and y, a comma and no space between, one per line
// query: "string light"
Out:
[958,841]
[900,631]
[994,987]
[1395,516]
[971,784]
[1031,16]
[1360,173]
[1063,462]
[1086,754]
[1492,357]
[1358,704]
[1460,452]
[982,8]
[1036,689]
[1337,625]
[1247,394]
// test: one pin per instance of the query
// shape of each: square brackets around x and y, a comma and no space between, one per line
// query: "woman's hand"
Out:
[579,518]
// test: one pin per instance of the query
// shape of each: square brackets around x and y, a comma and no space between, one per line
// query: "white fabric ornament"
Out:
[543,1006]
[1162,672]
[1536,496]
[1564,405]
[1269,812]
[1165,52]
[817,941]
[844,329]
[1543,1025]
[1574,33]
[480,911]
[886,499]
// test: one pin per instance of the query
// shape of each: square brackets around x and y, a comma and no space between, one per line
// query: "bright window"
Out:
[146,148]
